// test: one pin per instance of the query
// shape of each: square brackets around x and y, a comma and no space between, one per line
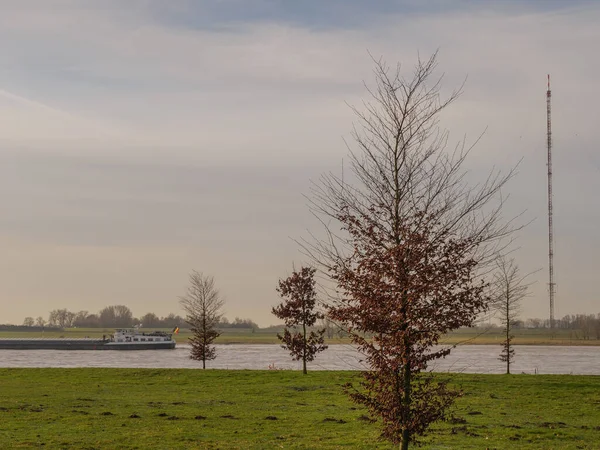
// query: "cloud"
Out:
[24,118]
[173,85]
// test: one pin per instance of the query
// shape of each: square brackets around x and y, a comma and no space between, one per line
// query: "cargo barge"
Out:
[124,339]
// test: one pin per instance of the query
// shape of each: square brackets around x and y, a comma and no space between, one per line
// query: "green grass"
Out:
[268,336]
[186,409]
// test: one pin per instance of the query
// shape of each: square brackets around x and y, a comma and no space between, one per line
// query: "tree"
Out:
[509,289]
[241,323]
[297,311]
[92,321]
[407,243]
[53,318]
[107,317]
[123,316]
[149,320]
[534,323]
[172,320]
[69,318]
[116,316]
[62,318]
[202,305]
[328,326]
[39,321]
[28,322]
[224,322]
[81,319]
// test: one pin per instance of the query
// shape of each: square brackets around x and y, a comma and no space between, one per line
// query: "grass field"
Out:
[187,409]
[268,336]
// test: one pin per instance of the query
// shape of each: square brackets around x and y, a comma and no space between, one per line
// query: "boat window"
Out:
[150,339]
[135,339]
[143,339]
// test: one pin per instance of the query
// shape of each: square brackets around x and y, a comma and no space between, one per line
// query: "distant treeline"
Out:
[119,316]
[587,325]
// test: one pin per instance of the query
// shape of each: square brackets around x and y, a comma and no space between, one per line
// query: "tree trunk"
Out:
[304,350]
[406,379]
[204,339]
[406,401]
[507,333]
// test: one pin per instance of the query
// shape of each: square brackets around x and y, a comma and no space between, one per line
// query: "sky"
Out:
[140,140]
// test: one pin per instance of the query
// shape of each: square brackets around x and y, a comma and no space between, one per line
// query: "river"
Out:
[467,358]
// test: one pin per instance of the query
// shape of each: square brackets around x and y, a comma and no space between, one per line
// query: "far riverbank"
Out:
[472,336]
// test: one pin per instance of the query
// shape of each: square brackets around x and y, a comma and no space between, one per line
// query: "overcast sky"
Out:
[142,139]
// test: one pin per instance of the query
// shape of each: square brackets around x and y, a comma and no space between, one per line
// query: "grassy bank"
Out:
[185,409]
[268,336]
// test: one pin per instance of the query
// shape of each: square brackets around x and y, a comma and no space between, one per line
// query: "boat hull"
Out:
[80,344]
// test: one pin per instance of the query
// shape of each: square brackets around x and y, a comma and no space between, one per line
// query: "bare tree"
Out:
[123,316]
[117,316]
[407,243]
[149,320]
[69,318]
[28,322]
[81,319]
[62,318]
[298,311]
[53,318]
[329,327]
[39,321]
[510,288]
[202,305]
[172,320]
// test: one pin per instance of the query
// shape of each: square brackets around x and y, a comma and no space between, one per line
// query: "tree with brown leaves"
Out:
[298,312]
[202,305]
[407,244]
[510,288]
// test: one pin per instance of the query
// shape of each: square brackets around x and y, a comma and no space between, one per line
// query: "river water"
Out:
[466,358]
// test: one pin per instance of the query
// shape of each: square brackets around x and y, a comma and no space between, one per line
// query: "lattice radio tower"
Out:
[551,284]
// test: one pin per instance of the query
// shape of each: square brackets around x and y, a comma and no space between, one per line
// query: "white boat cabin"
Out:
[127,336]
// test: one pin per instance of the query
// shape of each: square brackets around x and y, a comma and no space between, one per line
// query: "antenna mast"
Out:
[551,284]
